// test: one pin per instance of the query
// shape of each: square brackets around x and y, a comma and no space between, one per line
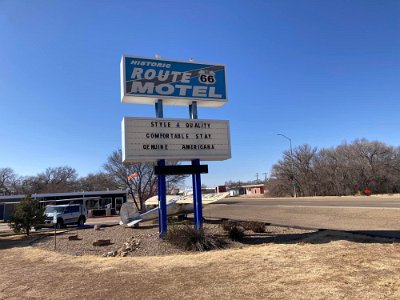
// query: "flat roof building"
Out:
[95,201]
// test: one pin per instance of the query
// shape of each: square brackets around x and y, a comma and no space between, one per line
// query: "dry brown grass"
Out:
[329,266]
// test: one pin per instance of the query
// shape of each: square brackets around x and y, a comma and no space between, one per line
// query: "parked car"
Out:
[67,214]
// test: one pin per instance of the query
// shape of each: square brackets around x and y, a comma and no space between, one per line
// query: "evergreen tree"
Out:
[28,214]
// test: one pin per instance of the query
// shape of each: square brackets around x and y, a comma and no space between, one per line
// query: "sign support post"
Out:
[162,193]
[196,180]
[55,230]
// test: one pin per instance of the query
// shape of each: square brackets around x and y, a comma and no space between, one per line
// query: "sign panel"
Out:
[145,80]
[152,139]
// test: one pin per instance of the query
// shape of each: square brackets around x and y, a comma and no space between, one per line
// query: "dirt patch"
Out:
[328,265]
[147,242]
[282,263]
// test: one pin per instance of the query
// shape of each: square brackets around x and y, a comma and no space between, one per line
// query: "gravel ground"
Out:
[144,241]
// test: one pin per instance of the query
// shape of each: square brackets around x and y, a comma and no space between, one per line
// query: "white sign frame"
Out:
[143,142]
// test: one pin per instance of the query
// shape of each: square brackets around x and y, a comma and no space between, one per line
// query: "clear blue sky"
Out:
[320,72]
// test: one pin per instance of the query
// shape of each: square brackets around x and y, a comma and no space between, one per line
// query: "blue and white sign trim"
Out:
[145,80]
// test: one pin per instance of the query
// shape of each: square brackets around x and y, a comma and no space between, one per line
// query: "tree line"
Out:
[113,176]
[347,169]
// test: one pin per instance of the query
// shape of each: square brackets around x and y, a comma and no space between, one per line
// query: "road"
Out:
[378,214]
[356,202]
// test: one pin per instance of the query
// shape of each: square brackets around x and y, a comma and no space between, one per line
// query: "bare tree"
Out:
[304,174]
[279,187]
[52,180]
[236,184]
[141,187]
[329,172]
[97,182]
[283,176]
[8,181]
[344,170]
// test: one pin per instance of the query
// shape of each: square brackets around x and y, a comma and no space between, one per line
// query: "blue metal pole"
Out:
[162,203]
[162,194]
[197,191]
[159,202]
[194,197]
[196,180]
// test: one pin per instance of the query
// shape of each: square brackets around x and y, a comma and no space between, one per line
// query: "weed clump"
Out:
[236,233]
[176,220]
[227,225]
[190,239]
[234,229]
[256,227]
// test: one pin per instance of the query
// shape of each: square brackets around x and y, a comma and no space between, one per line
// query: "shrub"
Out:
[235,229]
[257,227]
[27,214]
[236,233]
[188,238]
[227,225]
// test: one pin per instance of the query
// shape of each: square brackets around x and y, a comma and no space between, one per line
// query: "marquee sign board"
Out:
[152,139]
[145,80]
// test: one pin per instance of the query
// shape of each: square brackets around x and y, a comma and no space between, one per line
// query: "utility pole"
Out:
[257,177]
[265,176]
[292,163]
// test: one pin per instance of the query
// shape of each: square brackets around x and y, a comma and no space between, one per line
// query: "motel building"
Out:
[98,203]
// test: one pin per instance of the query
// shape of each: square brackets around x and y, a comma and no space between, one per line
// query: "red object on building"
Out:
[220,189]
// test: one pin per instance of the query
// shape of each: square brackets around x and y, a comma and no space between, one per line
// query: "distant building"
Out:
[254,189]
[96,202]
[251,189]
[237,191]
